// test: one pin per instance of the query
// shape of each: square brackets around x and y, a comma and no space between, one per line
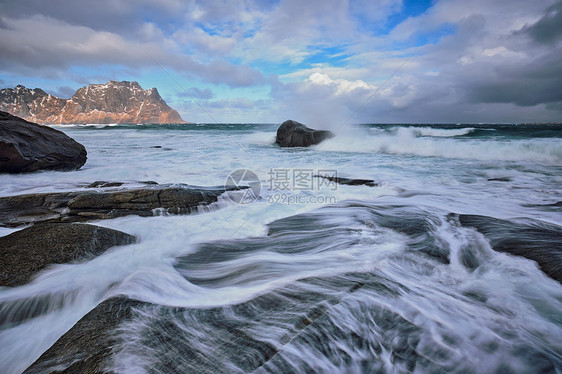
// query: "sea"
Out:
[300,274]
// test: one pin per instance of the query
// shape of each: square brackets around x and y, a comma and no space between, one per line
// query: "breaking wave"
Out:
[434,132]
[429,142]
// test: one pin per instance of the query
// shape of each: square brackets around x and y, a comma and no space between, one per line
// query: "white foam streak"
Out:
[406,142]
[433,132]
[261,138]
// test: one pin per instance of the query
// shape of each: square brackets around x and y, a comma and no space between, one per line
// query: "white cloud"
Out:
[295,29]
[333,72]
[341,86]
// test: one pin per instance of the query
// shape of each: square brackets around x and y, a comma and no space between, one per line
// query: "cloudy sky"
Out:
[322,62]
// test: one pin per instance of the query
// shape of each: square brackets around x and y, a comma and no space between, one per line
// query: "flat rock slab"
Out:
[527,238]
[26,147]
[26,252]
[82,206]
[86,347]
[90,345]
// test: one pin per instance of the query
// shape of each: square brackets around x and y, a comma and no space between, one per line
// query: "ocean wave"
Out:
[406,142]
[399,277]
[432,132]
[261,138]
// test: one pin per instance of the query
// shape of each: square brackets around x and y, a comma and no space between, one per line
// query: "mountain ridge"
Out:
[123,102]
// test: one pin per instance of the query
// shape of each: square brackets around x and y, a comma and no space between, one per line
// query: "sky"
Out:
[320,62]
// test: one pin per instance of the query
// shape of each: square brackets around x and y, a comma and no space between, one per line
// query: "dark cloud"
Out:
[526,85]
[549,28]
[40,46]
[555,106]
[527,73]
[122,17]
[49,39]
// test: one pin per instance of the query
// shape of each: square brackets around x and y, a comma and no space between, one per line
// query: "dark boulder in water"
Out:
[295,134]
[26,147]
[535,240]
[349,181]
[88,205]
[26,252]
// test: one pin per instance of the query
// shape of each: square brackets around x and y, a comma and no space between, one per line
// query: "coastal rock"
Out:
[27,147]
[91,345]
[86,347]
[530,239]
[112,102]
[28,251]
[349,181]
[82,206]
[295,134]
[107,184]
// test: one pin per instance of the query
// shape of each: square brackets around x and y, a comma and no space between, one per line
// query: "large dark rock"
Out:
[295,134]
[85,348]
[82,206]
[26,252]
[27,146]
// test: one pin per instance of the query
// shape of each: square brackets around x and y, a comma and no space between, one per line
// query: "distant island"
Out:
[112,102]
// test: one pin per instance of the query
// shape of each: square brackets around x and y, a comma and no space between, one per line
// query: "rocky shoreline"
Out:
[88,205]
[56,231]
